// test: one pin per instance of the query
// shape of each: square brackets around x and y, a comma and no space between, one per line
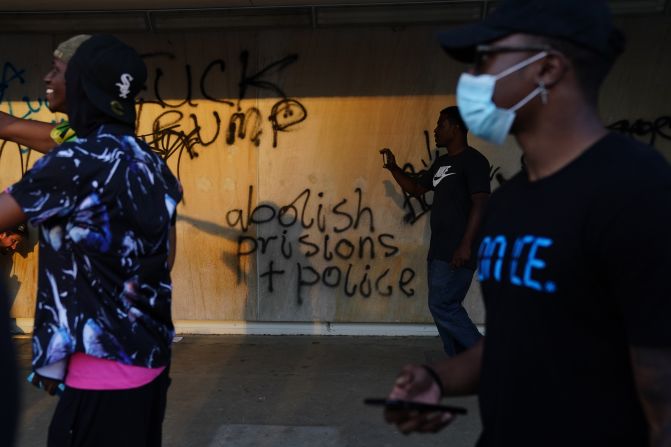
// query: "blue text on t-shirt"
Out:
[524,260]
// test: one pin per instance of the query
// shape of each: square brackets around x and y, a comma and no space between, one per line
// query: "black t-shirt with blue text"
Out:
[574,270]
[454,179]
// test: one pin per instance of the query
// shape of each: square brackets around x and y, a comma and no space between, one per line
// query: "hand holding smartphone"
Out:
[385,158]
[388,159]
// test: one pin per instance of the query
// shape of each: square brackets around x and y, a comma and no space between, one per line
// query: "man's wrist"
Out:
[465,244]
[436,378]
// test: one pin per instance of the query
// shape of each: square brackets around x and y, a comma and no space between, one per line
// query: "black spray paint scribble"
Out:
[170,137]
[647,130]
[342,237]
[24,154]
[13,78]
[10,74]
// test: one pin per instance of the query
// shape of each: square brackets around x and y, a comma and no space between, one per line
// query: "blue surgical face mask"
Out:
[476,105]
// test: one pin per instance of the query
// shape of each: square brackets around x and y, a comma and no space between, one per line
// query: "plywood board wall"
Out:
[288,214]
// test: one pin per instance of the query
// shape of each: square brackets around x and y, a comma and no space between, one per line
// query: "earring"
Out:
[544,92]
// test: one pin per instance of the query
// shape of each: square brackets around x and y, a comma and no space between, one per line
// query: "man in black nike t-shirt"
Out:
[460,184]
[576,250]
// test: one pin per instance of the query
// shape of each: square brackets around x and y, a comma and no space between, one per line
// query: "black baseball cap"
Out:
[20,229]
[112,74]
[585,23]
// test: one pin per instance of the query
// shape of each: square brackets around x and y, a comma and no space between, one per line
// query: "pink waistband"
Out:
[86,372]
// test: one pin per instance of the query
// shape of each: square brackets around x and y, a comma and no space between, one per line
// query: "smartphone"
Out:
[397,404]
[59,390]
[385,159]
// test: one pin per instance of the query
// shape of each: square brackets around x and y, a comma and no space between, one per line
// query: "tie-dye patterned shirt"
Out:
[104,206]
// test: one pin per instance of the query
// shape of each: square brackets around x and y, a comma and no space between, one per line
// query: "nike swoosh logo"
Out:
[437,179]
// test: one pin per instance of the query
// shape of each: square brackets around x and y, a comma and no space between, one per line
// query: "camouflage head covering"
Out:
[66,49]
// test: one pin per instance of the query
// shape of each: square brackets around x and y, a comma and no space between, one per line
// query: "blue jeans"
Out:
[447,290]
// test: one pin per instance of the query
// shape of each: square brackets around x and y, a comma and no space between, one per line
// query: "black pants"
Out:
[119,418]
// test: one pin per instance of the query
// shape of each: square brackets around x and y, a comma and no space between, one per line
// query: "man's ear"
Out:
[553,69]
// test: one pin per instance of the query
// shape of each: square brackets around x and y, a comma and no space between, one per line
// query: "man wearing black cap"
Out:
[105,205]
[575,253]
[11,238]
[9,241]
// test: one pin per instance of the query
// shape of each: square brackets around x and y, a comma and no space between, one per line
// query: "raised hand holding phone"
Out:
[388,159]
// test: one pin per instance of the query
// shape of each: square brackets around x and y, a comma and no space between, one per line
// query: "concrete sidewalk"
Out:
[240,391]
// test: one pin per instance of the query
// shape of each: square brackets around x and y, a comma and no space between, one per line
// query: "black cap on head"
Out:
[20,229]
[586,23]
[112,74]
